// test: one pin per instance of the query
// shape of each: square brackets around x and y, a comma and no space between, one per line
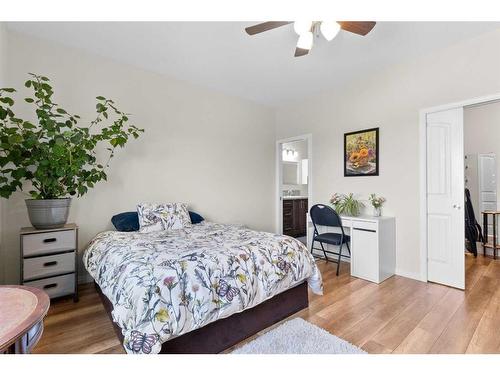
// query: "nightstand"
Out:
[49,260]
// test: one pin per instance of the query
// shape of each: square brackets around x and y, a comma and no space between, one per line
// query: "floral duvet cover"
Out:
[164,284]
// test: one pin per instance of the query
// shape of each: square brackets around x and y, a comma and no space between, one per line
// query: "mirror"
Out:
[290,173]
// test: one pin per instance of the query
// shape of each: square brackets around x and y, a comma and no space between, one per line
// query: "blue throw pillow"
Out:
[195,217]
[129,221]
[126,221]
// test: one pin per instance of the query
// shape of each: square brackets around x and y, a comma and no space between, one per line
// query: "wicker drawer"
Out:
[34,268]
[48,242]
[55,286]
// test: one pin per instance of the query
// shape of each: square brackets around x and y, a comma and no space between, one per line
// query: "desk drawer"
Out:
[49,242]
[364,225]
[346,223]
[34,268]
[55,286]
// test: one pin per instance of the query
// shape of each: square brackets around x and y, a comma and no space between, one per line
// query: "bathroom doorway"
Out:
[293,159]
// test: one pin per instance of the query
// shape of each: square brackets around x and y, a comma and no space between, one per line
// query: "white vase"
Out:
[377,211]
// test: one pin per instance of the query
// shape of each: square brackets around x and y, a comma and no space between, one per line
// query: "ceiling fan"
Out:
[308,29]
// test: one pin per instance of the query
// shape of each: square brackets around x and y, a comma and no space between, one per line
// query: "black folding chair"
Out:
[322,215]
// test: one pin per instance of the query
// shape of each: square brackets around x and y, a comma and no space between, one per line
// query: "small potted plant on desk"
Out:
[377,203]
[346,204]
[55,154]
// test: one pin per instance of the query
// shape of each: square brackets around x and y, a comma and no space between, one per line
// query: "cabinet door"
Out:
[296,217]
[288,222]
[301,217]
[364,258]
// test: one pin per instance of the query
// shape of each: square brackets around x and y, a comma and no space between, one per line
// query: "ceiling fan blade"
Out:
[265,26]
[357,27]
[301,52]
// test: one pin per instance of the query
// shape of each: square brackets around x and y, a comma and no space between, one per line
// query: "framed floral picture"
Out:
[361,153]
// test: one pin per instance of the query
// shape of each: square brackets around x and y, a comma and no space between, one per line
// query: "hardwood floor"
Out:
[82,327]
[398,316]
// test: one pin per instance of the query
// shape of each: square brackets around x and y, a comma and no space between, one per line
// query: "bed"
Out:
[201,288]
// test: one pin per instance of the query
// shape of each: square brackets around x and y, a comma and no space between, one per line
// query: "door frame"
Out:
[279,171]
[423,168]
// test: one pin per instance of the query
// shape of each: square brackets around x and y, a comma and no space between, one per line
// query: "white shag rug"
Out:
[297,336]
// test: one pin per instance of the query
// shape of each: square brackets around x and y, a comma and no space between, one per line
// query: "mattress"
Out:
[167,283]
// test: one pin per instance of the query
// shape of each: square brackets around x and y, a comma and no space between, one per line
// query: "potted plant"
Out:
[55,154]
[377,203]
[346,204]
[335,200]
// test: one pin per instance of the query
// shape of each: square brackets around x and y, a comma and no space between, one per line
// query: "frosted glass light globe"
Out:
[302,27]
[329,29]
[305,41]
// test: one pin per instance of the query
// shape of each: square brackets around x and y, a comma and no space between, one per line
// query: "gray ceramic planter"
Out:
[48,213]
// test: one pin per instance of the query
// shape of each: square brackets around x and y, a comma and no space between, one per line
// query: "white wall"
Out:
[210,150]
[3,54]
[391,100]
[217,152]
[3,61]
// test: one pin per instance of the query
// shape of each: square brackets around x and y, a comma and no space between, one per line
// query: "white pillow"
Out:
[155,217]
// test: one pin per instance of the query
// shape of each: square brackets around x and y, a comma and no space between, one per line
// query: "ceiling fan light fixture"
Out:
[305,41]
[307,30]
[302,27]
[329,29]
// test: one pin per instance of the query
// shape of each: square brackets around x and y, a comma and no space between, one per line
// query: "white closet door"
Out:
[445,198]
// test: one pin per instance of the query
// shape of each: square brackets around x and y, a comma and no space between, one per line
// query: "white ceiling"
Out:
[221,56]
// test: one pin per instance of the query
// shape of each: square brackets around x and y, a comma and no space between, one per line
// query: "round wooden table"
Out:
[22,309]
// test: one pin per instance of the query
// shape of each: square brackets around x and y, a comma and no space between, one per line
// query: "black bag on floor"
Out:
[473,232]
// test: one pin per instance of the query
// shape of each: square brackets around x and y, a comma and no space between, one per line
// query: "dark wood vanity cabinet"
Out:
[301,212]
[294,217]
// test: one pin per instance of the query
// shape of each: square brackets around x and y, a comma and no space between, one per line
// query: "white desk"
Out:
[373,245]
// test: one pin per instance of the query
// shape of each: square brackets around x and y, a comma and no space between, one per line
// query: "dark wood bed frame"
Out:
[224,333]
